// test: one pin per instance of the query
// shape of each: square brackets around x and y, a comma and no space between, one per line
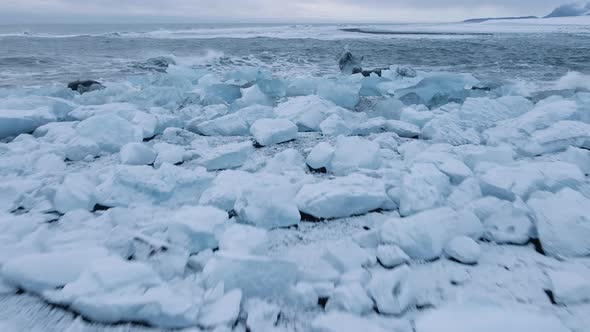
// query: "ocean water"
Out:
[50,55]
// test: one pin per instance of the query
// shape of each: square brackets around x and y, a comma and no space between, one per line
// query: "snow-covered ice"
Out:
[233,199]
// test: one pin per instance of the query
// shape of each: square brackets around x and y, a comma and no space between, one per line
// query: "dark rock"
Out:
[85,86]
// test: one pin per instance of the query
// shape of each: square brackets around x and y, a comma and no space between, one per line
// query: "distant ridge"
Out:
[480,20]
[571,9]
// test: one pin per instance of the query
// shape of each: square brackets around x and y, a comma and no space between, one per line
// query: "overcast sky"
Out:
[267,10]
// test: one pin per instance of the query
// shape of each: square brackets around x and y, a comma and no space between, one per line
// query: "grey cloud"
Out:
[277,10]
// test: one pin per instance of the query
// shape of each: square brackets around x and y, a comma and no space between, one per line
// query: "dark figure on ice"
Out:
[350,64]
[85,86]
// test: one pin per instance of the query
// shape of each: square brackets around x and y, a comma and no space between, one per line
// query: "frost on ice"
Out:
[248,200]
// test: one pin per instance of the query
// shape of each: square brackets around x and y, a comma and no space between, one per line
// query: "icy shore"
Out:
[244,201]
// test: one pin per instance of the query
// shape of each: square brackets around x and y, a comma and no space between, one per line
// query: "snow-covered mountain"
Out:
[571,9]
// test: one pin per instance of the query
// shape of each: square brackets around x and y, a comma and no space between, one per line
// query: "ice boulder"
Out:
[234,124]
[137,154]
[391,256]
[226,187]
[80,148]
[168,153]
[308,112]
[44,271]
[509,182]
[227,156]
[346,256]
[15,122]
[169,185]
[75,193]
[403,129]
[578,157]
[392,291]
[114,290]
[334,126]
[196,228]
[455,169]
[562,222]
[342,94]
[256,276]
[562,135]
[570,287]
[352,153]
[508,224]
[344,322]
[469,317]
[425,187]
[111,132]
[273,131]
[223,312]
[320,156]
[483,113]
[350,297]
[243,239]
[438,89]
[424,235]
[463,249]
[268,204]
[447,128]
[342,197]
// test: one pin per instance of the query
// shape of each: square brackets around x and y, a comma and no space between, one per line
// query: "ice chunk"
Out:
[168,185]
[137,154]
[342,197]
[76,192]
[109,131]
[392,290]
[466,192]
[180,136]
[391,256]
[341,94]
[225,189]
[469,317]
[446,163]
[463,249]
[15,122]
[425,187]
[578,157]
[243,239]
[474,155]
[562,222]
[227,156]
[424,235]
[195,228]
[223,312]
[251,96]
[508,225]
[352,153]
[483,113]
[562,135]
[403,129]
[80,148]
[569,287]
[418,116]
[448,128]
[237,123]
[320,156]
[334,125]
[343,322]
[44,271]
[520,181]
[273,131]
[308,112]
[168,153]
[256,276]
[348,256]
[288,162]
[268,204]
[439,89]
[350,297]
[146,122]
[262,315]
[371,126]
